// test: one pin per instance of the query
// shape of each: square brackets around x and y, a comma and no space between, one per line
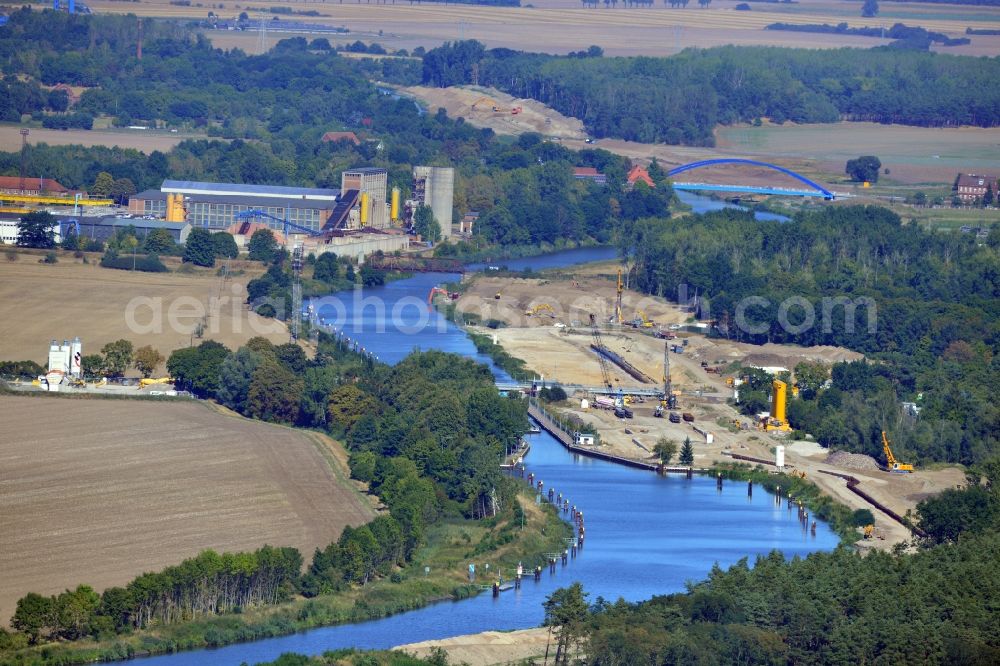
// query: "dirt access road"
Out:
[99,491]
[557,346]
[41,302]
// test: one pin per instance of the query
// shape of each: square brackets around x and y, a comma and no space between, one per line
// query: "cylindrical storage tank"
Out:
[443,197]
[394,205]
[76,354]
[779,457]
[584,404]
[364,209]
[778,401]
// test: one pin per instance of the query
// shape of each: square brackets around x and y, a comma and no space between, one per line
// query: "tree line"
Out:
[681,99]
[932,296]
[837,607]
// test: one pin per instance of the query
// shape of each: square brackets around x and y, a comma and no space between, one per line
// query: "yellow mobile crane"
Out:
[890,460]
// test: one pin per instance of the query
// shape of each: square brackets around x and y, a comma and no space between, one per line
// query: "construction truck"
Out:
[891,463]
[869,531]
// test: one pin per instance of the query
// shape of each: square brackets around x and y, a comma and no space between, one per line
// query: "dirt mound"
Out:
[857,461]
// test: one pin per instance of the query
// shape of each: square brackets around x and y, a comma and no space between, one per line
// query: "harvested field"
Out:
[99,491]
[145,140]
[560,26]
[40,302]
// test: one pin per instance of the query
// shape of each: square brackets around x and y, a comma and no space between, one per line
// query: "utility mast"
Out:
[24,157]
[296,292]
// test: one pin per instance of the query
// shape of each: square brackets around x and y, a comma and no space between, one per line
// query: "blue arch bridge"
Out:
[815,189]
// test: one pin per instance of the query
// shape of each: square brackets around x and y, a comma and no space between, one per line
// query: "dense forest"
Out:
[681,99]
[934,606]
[927,313]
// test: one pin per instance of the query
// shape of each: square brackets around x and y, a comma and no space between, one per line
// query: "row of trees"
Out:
[118,357]
[204,585]
[681,99]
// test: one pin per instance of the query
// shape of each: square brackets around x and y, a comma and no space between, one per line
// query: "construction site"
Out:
[638,368]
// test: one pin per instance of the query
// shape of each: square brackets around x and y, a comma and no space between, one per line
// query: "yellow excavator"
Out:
[641,320]
[539,309]
[891,463]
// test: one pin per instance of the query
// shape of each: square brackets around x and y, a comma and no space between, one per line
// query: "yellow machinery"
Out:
[869,530]
[54,201]
[779,400]
[175,208]
[641,320]
[539,309]
[143,383]
[890,460]
[364,209]
[394,205]
[497,296]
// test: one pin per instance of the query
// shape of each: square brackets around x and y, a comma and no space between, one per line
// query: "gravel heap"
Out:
[857,461]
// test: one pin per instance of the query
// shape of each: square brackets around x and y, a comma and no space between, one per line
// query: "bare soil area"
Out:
[41,302]
[99,491]
[461,102]
[487,648]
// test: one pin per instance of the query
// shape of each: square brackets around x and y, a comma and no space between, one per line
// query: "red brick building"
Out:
[32,186]
[589,173]
[970,187]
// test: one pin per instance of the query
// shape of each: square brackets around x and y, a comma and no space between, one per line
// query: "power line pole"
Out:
[24,157]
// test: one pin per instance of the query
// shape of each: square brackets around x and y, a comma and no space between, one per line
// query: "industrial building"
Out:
[104,227]
[434,187]
[9,231]
[214,206]
[64,362]
[362,200]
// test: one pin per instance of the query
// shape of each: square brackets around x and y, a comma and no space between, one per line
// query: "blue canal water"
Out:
[646,535]
[703,204]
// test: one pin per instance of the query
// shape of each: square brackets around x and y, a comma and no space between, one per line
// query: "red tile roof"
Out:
[585,172]
[342,136]
[32,184]
[638,173]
